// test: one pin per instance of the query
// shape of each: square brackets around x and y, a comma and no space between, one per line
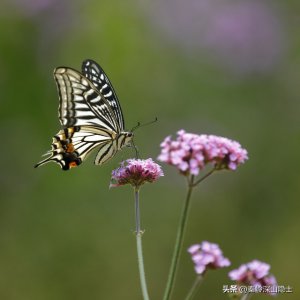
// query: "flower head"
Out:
[190,152]
[255,273]
[207,256]
[136,172]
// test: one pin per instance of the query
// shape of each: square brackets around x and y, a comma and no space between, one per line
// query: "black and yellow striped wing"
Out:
[91,116]
[81,104]
[92,71]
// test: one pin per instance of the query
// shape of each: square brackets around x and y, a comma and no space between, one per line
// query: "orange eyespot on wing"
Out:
[72,164]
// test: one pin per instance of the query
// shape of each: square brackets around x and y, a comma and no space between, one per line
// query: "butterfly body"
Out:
[91,116]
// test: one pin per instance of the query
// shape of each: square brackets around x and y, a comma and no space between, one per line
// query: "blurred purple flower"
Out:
[33,7]
[253,270]
[271,283]
[136,172]
[255,273]
[190,152]
[51,20]
[207,256]
[246,36]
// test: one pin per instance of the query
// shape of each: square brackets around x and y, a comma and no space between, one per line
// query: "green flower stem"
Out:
[246,296]
[204,177]
[194,288]
[137,211]
[179,241]
[180,234]
[139,234]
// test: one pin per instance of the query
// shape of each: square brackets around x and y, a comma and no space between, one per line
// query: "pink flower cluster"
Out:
[136,172]
[254,273]
[190,152]
[207,256]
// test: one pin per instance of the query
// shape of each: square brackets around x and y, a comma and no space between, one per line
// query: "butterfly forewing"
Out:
[92,71]
[80,103]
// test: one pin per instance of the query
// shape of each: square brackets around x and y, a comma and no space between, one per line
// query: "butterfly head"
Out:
[127,138]
[128,141]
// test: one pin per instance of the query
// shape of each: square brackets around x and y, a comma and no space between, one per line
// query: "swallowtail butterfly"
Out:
[91,116]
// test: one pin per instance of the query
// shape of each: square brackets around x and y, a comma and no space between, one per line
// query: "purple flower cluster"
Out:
[207,256]
[190,152]
[136,172]
[254,273]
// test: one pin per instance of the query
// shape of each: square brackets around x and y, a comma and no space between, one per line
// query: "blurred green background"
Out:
[229,68]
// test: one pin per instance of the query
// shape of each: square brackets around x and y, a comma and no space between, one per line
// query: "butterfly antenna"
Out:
[139,125]
[135,127]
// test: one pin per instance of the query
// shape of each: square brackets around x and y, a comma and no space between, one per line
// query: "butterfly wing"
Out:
[81,104]
[91,116]
[96,75]
[70,146]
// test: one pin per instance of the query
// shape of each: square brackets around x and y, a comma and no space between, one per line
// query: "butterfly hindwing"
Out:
[72,145]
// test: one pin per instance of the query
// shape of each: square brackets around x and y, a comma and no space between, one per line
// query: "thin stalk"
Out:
[137,211]
[204,177]
[139,234]
[194,289]
[246,296]
[179,241]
